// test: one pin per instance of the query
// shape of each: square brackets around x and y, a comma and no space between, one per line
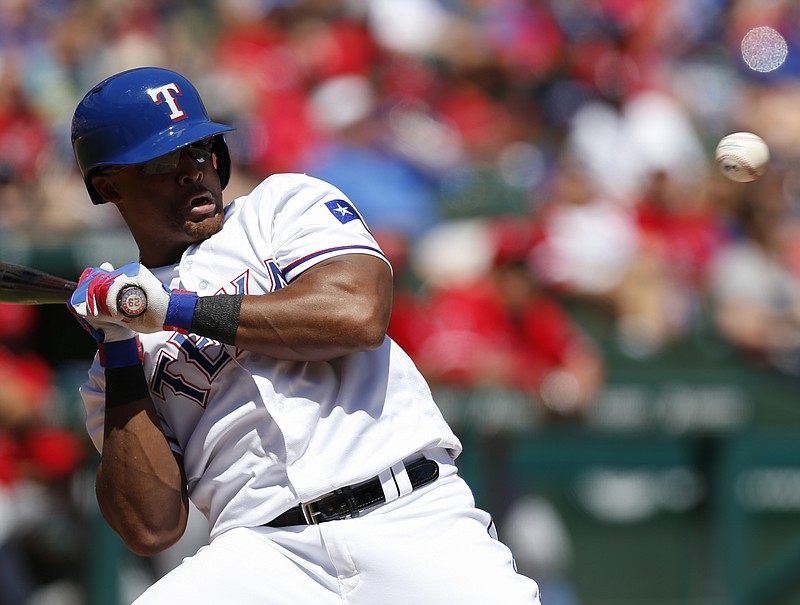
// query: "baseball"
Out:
[742,156]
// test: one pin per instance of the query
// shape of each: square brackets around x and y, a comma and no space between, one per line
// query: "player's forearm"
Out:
[140,487]
[333,309]
[302,333]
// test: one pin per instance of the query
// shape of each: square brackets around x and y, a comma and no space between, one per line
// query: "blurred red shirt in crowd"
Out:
[30,445]
[502,329]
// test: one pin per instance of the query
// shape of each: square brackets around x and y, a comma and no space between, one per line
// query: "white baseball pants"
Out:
[429,547]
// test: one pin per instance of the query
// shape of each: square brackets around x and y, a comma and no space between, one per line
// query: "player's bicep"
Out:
[353,274]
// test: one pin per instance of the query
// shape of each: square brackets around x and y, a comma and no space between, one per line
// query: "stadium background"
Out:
[572,140]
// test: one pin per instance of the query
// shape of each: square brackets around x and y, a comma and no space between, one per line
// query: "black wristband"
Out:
[217,317]
[125,384]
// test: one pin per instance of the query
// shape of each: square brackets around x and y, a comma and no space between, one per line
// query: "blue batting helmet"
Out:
[139,115]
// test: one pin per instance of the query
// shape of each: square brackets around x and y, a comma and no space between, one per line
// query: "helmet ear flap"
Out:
[220,150]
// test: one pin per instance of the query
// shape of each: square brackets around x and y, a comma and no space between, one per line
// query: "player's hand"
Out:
[166,309]
[158,296]
[83,305]
[117,344]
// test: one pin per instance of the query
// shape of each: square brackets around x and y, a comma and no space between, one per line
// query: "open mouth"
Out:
[202,205]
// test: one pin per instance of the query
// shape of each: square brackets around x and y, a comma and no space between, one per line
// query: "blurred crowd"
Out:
[586,125]
[511,156]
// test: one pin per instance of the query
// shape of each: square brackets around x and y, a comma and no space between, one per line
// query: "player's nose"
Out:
[189,170]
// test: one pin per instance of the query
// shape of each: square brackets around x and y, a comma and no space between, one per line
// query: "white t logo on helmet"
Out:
[167,93]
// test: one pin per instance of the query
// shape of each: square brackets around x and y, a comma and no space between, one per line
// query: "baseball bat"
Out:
[27,286]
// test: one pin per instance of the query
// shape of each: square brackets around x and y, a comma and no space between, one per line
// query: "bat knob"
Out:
[132,301]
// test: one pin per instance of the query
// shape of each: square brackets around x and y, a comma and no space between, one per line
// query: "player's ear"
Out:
[105,186]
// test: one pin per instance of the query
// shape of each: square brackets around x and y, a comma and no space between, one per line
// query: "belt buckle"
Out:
[310,515]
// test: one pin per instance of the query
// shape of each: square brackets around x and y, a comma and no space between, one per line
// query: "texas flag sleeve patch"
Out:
[343,211]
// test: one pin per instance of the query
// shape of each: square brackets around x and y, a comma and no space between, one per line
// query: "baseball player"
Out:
[260,383]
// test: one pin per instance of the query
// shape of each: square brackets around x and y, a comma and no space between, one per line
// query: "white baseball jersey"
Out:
[259,435]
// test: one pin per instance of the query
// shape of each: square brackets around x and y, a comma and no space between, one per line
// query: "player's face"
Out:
[169,203]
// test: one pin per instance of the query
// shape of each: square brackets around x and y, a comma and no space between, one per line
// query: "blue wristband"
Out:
[120,354]
[180,311]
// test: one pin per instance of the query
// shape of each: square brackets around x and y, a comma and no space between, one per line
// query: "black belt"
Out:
[348,501]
